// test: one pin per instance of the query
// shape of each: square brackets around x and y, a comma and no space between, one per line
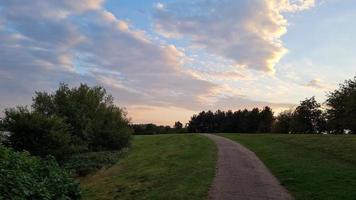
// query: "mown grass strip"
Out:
[157,167]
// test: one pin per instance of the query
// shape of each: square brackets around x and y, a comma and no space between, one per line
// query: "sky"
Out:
[165,60]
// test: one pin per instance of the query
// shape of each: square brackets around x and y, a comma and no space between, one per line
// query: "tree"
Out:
[178,126]
[38,134]
[266,120]
[93,118]
[283,122]
[109,130]
[253,120]
[239,121]
[308,117]
[341,113]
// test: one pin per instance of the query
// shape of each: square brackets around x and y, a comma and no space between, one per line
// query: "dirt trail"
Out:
[241,175]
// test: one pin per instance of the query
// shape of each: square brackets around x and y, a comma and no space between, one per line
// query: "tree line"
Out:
[241,121]
[152,129]
[337,115]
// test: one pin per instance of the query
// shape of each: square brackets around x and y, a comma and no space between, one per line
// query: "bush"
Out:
[91,114]
[86,163]
[36,133]
[26,177]
[69,121]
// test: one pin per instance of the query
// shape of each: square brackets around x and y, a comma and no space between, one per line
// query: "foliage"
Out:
[36,133]
[158,167]
[240,121]
[283,121]
[25,177]
[341,104]
[91,114]
[86,163]
[308,118]
[151,129]
[178,126]
[3,136]
[266,120]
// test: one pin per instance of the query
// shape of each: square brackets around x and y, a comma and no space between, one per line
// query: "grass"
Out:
[90,162]
[311,167]
[157,167]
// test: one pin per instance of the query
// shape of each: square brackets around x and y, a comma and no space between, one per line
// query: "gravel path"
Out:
[241,175]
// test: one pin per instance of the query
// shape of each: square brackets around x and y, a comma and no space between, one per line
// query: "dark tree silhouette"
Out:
[178,126]
[341,113]
[266,120]
[283,121]
[308,117]
[240,121]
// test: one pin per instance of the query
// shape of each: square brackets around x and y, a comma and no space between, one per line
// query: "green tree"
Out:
[308,117]
[283,122]
[36,133]
[90,112]
[341,111]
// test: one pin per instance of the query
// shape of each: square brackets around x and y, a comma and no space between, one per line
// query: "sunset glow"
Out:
[166,60]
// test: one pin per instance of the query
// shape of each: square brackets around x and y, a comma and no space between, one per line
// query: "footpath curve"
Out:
[241,175]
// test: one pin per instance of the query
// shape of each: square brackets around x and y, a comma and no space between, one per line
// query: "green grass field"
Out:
[309,166]
[157,167]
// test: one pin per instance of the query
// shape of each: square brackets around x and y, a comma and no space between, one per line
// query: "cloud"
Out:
[241,102]
[159,6]
[82,42]
[316,83]
[40,9]
[219,75]
[248,32]
[47,42]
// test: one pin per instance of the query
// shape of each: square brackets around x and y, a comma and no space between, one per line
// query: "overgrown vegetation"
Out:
[38,134]
[80,127]
[68,121]
[25,177]
[313,167]
[86,163]
[158,167]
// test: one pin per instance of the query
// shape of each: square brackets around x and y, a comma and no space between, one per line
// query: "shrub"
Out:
[91,114]
[86,163]
[69,121]
[36,133]
[25,177]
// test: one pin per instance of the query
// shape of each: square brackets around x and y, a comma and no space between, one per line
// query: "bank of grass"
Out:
[310,166]
[157,167]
